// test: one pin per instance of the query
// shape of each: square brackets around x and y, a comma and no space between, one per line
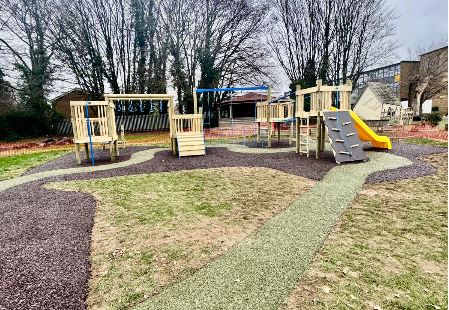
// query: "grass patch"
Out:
[154,230]
[13,166]
[426,141]
[388,249]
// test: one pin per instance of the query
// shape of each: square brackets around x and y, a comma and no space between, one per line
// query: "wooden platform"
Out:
[190,144]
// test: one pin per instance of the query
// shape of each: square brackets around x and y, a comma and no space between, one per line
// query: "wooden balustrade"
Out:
[322,98]
[274,112]
[182,123]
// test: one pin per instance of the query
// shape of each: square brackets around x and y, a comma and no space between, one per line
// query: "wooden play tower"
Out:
[93,122]
[274,114]
[329,110]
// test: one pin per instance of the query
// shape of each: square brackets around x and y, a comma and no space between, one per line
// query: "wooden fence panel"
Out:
[132,123]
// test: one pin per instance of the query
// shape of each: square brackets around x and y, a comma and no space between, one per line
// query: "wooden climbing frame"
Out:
[321,98]
[101,125]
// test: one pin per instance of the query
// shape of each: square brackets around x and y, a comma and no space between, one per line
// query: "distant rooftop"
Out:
[248,97]
[383,92]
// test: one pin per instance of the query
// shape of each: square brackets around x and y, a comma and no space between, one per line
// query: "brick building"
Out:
[398,77]
[61,104]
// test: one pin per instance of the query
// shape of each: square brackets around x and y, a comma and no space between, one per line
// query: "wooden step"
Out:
[192,153]
[191,144]
[196,147]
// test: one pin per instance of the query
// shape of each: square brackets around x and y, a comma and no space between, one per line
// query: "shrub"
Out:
[433,118]
[21,123]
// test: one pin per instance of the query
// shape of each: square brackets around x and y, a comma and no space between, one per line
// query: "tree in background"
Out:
[218,42]
[116,41]
[25,39]
[332,40]
[6,95]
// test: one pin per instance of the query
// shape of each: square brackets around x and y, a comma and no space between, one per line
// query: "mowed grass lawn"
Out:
[426,141]
[14,166]
[388,251]
[154,230]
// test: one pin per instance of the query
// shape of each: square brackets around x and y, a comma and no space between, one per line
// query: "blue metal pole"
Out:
[89,130]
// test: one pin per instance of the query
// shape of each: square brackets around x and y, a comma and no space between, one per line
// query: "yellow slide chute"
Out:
[367,134]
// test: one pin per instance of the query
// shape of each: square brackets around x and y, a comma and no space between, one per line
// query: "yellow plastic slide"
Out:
[367,134]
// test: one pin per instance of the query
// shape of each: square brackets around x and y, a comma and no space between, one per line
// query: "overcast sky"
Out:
[420,22]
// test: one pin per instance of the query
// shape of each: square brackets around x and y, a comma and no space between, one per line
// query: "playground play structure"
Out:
[273,113]
[329,109]
[328,114]
[94,122]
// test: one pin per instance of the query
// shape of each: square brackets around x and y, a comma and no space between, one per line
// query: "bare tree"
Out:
[114,40]
[333,40]
[218,41]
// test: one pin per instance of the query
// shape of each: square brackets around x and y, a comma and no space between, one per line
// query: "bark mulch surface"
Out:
[45,234]
[419,168]
[102,157]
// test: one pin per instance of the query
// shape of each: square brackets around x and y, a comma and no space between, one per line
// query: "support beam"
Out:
[297,134]
[279,132]
[77,153]
[318,147]
[195,101]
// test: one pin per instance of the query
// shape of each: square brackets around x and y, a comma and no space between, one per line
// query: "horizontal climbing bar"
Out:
[206,90]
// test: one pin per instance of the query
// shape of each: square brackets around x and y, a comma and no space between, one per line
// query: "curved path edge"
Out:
[136,158]
[259,272]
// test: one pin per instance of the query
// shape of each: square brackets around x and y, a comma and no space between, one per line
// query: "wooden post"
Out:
[297,134]
[319,106]
[279,132]
[111,151]
[258,132]
[116,149]
[77,153]
[318,127]
[323,137]
[195,101]
[269,116]
[290,139]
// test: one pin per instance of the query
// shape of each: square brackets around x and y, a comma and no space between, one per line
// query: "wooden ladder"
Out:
[304,135]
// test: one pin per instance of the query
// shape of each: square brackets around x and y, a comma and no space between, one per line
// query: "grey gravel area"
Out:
[414,153]
[102,157]
[45,234]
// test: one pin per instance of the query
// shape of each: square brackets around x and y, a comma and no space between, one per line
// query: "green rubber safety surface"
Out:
[259,272]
